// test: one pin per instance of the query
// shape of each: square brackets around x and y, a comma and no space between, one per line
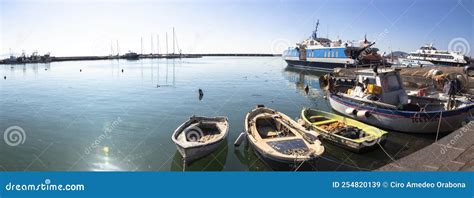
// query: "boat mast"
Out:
[118,51]
[141,42]
[157,44]
[166,42]
[173,40]
[151,41]
[111,48]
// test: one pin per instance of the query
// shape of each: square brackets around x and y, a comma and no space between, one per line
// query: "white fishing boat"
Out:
[277,137]
[200,136]
[379,99]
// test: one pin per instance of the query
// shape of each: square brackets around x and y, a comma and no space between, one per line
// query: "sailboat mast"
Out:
[118,51]
[151,41]
[173,40]
[111,48]
[157,44]
[166,42]
[141,49]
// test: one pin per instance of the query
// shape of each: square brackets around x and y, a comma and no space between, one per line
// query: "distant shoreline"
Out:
[140,56]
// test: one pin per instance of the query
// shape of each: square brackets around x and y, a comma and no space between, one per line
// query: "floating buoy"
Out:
[122,70]
[80,70]
[45,69]
[351,111]
[5,77]
[201,94]
[363,114]
[240,139]
[306,89]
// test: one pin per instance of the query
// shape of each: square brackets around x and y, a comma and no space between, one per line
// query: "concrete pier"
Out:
[454,152]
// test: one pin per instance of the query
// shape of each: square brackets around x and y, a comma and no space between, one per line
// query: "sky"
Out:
[85,27]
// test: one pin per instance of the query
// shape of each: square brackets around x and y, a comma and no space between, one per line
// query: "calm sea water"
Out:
[103,119]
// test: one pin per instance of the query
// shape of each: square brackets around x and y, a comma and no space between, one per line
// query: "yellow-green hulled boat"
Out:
[348,133]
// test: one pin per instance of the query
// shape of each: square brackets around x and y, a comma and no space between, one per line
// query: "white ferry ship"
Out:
[439,57]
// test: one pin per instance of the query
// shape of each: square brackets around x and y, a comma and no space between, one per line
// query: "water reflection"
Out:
[104,162]
[306,81]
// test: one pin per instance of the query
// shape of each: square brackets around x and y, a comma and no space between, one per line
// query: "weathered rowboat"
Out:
[277,137]
[348,133]
[200,136]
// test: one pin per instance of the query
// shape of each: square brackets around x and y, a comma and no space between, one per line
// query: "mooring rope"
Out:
[295,161]
[386,153]
[439,125]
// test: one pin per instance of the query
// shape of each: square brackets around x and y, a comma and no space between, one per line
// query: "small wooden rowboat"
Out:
[277,137]
[348,133]
[200,136]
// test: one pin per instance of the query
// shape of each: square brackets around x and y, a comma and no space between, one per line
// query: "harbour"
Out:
[195,98]
[130,109]
[324,103]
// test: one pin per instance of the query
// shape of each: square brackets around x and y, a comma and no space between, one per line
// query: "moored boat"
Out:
[200,136]
[345,132]
[378,98]
[323,54]
[131,56]
[275,136]
[428,53]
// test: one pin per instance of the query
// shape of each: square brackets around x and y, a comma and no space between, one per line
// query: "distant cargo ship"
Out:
[439,57]
[325,55]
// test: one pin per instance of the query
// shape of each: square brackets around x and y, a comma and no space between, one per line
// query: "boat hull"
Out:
[358,147]
[286,160]
[402,121]
[318,66]
[194,153]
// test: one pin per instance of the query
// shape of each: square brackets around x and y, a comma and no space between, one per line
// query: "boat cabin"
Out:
[382,85]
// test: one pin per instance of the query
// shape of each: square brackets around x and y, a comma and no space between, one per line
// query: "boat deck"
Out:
[454,152]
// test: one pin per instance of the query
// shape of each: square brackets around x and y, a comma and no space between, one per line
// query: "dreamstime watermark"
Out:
[46,186]
[460,45]
[459,134]
[279,45]
[368,50]
[193,134]
[14,136]
[108,130]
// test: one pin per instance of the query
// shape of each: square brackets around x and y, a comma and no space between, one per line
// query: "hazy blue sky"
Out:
[88,27]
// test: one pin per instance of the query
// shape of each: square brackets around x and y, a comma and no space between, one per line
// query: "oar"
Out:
[240,139]
[293,128]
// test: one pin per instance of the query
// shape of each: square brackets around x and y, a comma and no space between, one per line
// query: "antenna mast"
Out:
[315,35]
